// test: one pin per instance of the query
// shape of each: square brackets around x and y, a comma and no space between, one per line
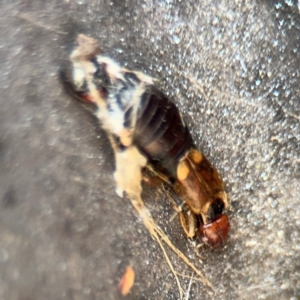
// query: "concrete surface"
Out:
[233,69]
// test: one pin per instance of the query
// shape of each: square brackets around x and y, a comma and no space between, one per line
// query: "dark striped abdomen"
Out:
[160,133]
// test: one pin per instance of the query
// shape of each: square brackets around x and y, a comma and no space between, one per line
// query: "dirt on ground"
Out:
[232,68]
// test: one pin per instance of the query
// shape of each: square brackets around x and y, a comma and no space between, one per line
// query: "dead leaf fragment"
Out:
[127,281]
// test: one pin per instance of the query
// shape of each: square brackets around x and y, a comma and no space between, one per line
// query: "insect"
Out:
[146,130]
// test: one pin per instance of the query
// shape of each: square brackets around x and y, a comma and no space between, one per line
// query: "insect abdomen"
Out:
[160,132]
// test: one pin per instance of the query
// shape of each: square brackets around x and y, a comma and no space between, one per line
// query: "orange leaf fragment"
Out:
[127,281]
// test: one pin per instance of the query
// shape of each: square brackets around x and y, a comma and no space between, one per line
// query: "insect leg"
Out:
[151,179]
[188,221]
[158,174]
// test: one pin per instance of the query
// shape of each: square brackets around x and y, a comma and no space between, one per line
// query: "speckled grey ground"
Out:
[233,69]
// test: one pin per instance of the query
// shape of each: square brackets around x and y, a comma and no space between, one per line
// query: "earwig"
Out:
[146,129]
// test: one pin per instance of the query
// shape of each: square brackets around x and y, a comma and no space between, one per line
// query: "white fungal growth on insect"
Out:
[129,161]
[128,175]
